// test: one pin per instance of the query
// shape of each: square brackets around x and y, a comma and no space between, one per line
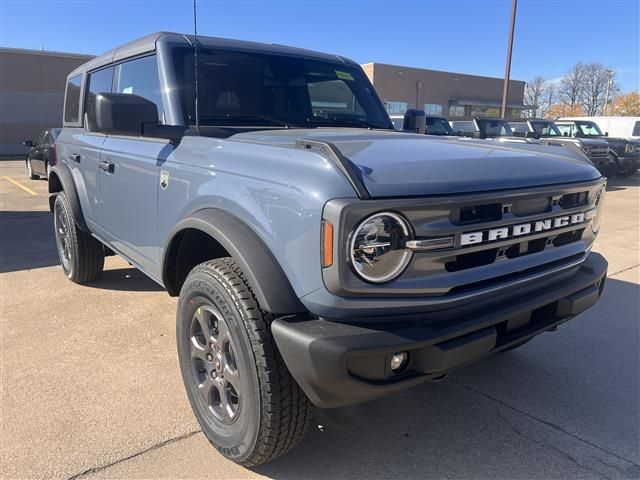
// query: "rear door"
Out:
[129,187]
[36,154]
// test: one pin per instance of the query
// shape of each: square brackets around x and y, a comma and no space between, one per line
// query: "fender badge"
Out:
[164,179]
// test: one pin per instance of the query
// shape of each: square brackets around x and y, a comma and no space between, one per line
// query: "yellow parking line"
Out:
[19,185]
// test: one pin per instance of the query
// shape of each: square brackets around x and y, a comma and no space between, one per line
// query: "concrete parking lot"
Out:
[91,385]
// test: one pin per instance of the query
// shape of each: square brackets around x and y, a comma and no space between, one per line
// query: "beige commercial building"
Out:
[31,93]
[456,96]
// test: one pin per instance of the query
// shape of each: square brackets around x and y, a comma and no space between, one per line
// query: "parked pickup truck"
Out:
[319,256]
[595,149]
[623,152]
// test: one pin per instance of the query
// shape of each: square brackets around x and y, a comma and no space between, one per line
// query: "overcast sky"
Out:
[459,36]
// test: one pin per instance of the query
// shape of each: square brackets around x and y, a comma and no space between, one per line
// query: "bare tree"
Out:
[533,92]
[572,86]
[596,80]
[549,97]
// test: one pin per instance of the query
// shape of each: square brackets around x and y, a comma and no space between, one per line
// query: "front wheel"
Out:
[630,169]
[243,396]
[81,255]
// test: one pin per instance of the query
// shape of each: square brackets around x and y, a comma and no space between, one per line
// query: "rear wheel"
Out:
[30,174]
[47,168]
[81,255]
[247,403]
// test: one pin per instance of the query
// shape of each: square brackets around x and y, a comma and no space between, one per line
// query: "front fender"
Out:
[264,274]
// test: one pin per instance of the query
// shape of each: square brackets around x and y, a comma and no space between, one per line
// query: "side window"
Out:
[98,82]
[72,100]
[48,139]
[140,77]
[636,130]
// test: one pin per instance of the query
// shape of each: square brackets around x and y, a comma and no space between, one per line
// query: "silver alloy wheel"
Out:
[63,242]
[214,364]
[29,168]
[47,168]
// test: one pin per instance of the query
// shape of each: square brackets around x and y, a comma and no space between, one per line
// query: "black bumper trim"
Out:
[339,363]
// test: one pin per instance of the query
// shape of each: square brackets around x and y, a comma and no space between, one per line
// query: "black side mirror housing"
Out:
[530,135]
[565,134]
[28,143]
[606,134]
[414,121]
[124,113]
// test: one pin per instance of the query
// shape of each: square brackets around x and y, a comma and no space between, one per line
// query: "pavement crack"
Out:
[164,443]
[560,452]
[623,270]
[545,422]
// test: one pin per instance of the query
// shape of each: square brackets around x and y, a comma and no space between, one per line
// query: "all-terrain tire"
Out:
[272,413]
[81,255]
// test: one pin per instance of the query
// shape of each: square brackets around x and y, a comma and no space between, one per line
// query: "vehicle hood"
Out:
[593,142]
[394,164]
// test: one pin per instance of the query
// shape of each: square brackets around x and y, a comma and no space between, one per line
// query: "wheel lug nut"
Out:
[213,374]
[209,357]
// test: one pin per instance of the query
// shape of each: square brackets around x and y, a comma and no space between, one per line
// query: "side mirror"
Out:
[565,134]
[606,134]
[414,121]
[530,135]
[28,143]
[124,113]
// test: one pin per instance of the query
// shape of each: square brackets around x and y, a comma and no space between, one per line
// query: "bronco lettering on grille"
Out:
[503,233]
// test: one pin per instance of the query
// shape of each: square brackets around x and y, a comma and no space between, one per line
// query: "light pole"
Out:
[606,97]
[505,90]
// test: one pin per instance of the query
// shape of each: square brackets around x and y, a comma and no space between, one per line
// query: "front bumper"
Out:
[338,363]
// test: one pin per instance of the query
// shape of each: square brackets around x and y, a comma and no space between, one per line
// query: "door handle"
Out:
[107,166]
[75,157]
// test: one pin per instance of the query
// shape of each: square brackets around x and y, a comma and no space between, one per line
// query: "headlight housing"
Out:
[595,214]
[377,249]
[586,150]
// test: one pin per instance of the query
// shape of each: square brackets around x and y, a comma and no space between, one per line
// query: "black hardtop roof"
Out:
[149,44]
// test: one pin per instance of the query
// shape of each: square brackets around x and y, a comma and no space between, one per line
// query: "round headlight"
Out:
[377,247]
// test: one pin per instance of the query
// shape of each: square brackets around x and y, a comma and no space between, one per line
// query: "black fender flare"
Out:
[63,176]
[266,277]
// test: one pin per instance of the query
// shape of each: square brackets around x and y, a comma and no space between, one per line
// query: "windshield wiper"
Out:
[248,116]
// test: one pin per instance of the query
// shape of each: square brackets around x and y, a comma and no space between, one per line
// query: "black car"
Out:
[41,155]
[625,153]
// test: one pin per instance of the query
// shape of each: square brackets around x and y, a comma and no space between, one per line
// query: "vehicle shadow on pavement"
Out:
[562,406]
[620,183]
[126,280]
[26,240]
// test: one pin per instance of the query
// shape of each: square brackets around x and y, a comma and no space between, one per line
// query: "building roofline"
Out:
[440,71]
[45,52]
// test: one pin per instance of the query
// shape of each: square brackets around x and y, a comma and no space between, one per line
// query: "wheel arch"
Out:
[61,180]
[215,233]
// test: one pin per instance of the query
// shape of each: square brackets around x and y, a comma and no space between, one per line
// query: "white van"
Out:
[620,127]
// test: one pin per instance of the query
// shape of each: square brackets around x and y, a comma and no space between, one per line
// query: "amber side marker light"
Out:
[327,244]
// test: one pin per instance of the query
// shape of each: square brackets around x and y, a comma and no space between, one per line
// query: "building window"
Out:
[433,109]
[477,111]
[396,107]
[456,111]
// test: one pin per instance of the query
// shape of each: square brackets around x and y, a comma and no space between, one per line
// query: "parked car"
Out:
[434,125]
[625,153]
[595,149]
[616,127]
[41,154]
[319,256]
[487,128]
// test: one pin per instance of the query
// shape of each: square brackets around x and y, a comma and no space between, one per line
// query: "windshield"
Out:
[588,129]
[546,129]
[256,89]
[494,128]
[438,126]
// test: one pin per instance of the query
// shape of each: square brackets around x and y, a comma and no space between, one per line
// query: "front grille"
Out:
[598,152]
